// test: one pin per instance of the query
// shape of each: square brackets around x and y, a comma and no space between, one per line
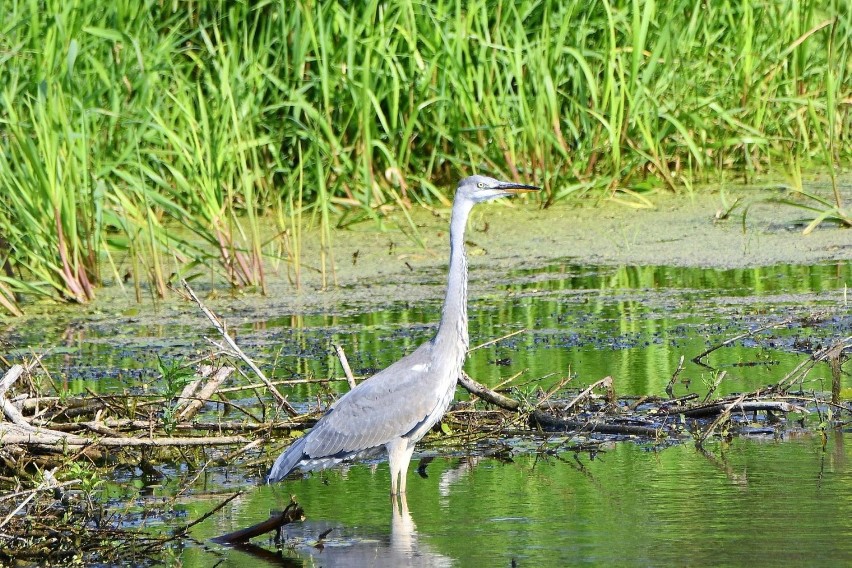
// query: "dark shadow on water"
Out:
[264,557]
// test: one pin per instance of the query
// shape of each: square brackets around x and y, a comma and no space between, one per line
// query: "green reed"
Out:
[157,138]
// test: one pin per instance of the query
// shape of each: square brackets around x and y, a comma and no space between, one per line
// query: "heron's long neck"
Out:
[452,333]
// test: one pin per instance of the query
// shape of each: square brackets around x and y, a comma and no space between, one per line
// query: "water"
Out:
[751,501]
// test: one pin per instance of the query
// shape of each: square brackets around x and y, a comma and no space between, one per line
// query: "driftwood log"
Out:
[291,514]
[46,438]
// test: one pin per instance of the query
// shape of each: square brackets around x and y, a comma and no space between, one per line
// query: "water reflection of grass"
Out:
[754,281]
[633,324]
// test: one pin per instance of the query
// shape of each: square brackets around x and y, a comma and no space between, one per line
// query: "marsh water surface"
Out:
[529,500]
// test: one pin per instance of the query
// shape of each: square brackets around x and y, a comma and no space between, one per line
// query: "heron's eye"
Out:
[480,185]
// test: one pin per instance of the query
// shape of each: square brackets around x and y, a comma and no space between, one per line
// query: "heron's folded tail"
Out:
[287,461]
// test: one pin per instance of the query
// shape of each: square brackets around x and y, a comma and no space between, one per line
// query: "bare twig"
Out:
[725,414]
[670,386]
[237,453]
[555,389]
[703,354]
[341,354]
[220,326]
[605,382]
[802,369]
[493,341]
[42,487]
[185,529]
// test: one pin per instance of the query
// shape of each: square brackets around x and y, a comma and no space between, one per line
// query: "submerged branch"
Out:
[185,529]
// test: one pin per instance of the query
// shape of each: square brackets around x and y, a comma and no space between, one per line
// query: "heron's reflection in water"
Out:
[348,546]
[454,475]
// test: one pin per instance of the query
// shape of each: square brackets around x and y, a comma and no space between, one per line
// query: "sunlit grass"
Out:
[168,133]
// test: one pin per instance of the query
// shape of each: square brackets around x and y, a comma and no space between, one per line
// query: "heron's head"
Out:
[484,188]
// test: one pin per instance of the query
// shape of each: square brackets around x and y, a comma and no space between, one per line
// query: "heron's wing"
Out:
[389,404]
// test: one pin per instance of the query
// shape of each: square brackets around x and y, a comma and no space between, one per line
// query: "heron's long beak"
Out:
[517,187]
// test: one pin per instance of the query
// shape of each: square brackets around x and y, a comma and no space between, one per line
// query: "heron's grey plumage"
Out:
[396,407]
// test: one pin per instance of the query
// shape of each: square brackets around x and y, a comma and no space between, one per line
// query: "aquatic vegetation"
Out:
[147,141]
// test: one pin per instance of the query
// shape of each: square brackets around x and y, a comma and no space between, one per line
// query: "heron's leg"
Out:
[399,456]
[405,459]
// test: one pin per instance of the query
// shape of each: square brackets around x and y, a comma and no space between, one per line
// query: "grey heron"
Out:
[396,407]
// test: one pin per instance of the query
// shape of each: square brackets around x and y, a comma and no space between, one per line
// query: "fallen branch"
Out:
[12,375]
[127,424]
[487,394]
[189,389]
[31,436]
[10,411]
[551,423]
[206,392]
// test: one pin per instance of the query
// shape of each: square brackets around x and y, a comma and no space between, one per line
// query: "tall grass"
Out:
[155,138]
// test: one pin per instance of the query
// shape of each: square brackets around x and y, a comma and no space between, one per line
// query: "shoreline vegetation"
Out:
[145,142]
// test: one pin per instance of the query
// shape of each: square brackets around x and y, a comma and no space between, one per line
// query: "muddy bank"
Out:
[373,267]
